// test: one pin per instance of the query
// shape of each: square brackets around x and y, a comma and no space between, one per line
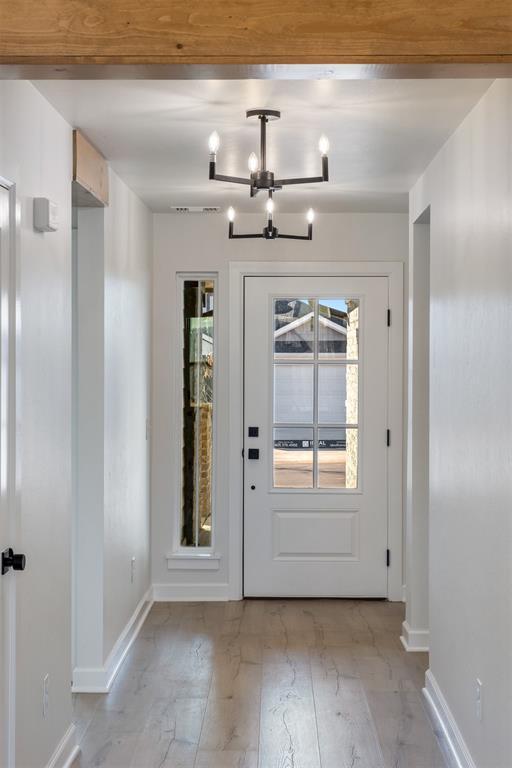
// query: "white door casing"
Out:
[7,473]
[315,514]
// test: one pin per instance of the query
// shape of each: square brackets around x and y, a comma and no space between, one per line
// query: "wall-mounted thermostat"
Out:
[46,215]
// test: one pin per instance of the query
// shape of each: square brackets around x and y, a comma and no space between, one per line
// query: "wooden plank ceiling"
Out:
[217,32]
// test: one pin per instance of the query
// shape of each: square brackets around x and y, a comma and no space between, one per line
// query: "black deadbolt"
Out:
[10,560]
[254,431]
[254,453]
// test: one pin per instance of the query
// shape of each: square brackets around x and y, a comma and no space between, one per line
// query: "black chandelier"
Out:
[260,178]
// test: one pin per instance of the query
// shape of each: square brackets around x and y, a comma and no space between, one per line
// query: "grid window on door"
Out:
[315,393]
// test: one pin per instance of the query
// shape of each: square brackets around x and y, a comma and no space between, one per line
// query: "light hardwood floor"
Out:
[264,684]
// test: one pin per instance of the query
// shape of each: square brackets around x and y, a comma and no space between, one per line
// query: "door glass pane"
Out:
[293,457]
[293,394]
[338,329]
[317,386]
[337,458]
[293,328]
[337,394]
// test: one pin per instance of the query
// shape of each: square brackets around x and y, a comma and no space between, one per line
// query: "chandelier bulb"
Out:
[253,162]
[310,216]
[270,206]
[323,145]
[231,214]
[214,142]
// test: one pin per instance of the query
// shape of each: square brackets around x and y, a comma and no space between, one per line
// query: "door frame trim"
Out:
[238,271]
[13,464]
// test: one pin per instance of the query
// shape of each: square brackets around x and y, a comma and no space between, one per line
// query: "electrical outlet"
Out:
[132,572]
[46,694]
[479,700]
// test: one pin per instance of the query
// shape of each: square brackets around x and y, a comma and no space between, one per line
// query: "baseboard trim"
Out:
[100,679]
[67,750]
[415,640]
[189,592]
[446,723]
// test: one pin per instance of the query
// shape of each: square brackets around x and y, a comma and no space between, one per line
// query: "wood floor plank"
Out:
[231,759]
[130,690]
[84,709]
[288,729]
[231,725]
[346,732]
[189,667]
[101,748]
[380,673]
[171,734]
[405,735]
[237,667]
[252,619]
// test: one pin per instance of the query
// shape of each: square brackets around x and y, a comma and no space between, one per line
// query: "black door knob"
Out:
[10,560]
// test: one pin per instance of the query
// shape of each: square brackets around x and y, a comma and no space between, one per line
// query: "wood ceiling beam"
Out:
[263,36]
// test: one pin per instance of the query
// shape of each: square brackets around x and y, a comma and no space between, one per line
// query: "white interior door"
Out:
[7,593]
[315,445]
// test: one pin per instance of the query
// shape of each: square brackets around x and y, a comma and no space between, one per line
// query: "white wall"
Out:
[469,189]
[199,243]
[36,153]
[128,256]
[89,458]
[113,403]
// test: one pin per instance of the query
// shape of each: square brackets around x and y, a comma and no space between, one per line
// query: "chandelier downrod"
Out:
[263,142]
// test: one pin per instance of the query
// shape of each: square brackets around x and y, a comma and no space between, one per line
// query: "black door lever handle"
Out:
[10,560]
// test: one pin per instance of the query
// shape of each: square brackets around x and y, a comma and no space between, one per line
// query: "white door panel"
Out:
[315,499]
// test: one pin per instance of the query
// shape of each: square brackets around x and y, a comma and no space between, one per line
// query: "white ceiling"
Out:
[383,133]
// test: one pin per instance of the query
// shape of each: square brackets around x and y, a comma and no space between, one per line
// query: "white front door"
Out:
[315,436]
[7,593]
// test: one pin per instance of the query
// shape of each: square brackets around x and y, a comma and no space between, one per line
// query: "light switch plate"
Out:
[46,215]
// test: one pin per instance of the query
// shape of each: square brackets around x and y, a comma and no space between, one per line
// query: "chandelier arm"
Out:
[306,180]
[310,179]
[232,179]
[269,233]
[244,237]
[294,237]
[309,235]
[232,235]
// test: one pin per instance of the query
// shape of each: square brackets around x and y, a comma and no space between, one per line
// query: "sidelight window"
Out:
[198,327]
[316,393]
